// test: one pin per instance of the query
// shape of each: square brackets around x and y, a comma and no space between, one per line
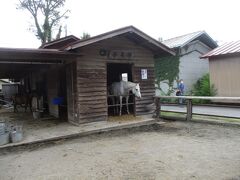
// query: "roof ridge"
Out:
[99,35]
[183,40]
[116,32]
[184,35]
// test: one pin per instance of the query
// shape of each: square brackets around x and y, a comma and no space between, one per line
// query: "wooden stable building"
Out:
[80,71]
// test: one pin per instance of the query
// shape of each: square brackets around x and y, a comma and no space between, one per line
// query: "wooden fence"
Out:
[189,104]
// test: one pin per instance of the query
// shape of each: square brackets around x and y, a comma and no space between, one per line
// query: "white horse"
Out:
[122,89]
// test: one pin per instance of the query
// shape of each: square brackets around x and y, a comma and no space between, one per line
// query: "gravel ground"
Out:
[175,150]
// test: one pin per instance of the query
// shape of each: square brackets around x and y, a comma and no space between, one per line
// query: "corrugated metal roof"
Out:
[181,41]
[227,48]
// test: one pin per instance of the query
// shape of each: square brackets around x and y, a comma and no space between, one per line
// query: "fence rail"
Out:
[118,105]
[124,104]
[189,104]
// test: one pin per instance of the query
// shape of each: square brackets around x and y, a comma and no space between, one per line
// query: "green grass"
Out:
[173,114]
[201,117]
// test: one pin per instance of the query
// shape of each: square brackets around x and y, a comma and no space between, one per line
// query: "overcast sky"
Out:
[157,18]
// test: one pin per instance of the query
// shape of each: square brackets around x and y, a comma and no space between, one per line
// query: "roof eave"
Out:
[220,55]
[155,42]
[58,41]
[11,54]
[111,34]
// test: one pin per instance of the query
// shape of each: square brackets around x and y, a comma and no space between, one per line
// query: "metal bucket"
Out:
[16,134]
[4,138]
[37,114]
[2,128]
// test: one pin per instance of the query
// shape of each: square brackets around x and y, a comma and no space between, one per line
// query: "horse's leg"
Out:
[15,107]
[14,104]
[127,97]
[26,104]
[117,107]
[30,104]
[113,103]
[120,98]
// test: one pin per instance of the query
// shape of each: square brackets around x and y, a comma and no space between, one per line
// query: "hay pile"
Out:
[126,117]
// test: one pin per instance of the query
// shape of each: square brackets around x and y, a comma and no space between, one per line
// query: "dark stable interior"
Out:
[25,71]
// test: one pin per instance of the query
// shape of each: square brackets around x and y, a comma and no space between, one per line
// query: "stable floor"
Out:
[49,128]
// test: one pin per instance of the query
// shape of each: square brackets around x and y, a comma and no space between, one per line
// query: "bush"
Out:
[203,88]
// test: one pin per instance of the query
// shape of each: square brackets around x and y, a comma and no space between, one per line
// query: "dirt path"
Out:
[176,151]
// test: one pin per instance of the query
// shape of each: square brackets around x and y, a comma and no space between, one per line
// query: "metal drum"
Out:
[4,138]
[2,128]
[16,135]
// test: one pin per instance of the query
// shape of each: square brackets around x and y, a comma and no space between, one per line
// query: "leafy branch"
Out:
[47,15]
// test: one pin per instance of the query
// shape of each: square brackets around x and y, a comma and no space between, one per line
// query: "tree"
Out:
[46,15]
[85,36]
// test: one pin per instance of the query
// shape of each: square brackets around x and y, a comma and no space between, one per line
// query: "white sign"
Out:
[144,73]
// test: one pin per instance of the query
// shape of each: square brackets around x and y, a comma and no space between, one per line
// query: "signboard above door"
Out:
[120,54]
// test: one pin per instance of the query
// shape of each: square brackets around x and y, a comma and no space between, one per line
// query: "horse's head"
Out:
[136,90]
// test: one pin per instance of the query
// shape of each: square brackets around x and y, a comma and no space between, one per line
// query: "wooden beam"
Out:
[200,97]
[158,107]
[29,62]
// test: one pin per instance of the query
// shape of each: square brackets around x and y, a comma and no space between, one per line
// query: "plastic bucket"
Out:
[57,100]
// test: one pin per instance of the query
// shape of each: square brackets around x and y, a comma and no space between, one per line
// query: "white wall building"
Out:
[190,48]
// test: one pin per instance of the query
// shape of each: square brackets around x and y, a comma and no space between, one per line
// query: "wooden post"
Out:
[158,107]
[189,110]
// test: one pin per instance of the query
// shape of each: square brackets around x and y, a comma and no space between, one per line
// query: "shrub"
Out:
[203,88]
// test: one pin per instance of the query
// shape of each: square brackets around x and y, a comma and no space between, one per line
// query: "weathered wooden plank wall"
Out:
[91,88]
[147,89]
[71,93]
[92,77]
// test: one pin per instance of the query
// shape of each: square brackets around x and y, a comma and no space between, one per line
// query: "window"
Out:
[125,76]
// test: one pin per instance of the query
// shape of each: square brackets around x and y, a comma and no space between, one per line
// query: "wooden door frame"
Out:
[133,79]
